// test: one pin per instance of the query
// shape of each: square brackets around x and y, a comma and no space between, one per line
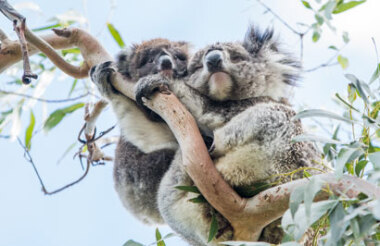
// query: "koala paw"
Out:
[101,75]
[146,87]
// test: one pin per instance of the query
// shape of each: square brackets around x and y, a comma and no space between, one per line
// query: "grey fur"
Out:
[249,120]
[147,146]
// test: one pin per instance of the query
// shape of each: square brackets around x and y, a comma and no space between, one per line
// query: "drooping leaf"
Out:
[198,199]
[296,198]
[116,35]
[56,117]
[159,240]
[252,190]
[358,85]
[73,87]
[360,166]
[321,113]
[319,19]
[346,155]
[332,47]
[306,4]
[132,243]
[337,224]
[193,189]
[311,189]
[375,74]
[345,37]
[298,225]
[343,61]
[315,138]
[346,6]
[29,131]
[213,227]
[46,27]
[346,103]
[375,158]
[316,36]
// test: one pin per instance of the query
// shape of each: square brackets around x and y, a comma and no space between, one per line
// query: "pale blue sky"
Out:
[90,213]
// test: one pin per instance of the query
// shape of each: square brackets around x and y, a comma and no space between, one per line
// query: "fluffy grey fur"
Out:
[146,146]
[236,93]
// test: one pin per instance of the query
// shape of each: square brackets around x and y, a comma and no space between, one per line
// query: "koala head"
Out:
[152,57]
[241,70]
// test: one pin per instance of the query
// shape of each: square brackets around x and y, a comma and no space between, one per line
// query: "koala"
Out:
[146,146]
[237,92]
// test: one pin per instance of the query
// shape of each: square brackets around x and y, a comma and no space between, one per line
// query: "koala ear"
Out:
[255,40]
[183,46]
[123,59]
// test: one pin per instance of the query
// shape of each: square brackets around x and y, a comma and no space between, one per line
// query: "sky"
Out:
[90,212]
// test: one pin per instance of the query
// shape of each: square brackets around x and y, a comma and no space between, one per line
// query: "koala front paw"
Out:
[146,87]
[101,75]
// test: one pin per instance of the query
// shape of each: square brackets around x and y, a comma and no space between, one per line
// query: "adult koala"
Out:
[237,94]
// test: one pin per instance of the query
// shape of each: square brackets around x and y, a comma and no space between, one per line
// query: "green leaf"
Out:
[345,37]
[337,224]
[343,61]
[332,47]
[321,113]
[132,243]
[345,156]
[116,35]
[306,4]
[375,74]
[213,227]
[56,117]
[360,166]
[73,87]
[346,6]
[299,224]
[346,103]
[71,51]
[316,36]
[319,19]
[311,189]
[358,85]
[244,243]
[46,27]
[198,199]
[193,189]
[252,190]
[296,198]
[29,131]
[315,138]
[160,241]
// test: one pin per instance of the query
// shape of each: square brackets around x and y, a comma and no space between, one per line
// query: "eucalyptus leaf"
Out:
[346,155]
[346,6]
[116,35]
[132,243]
[55,118]
[356,82]
[311,189]
[343,61]
[213,227]
[315,138]
[242,243]
[375,74]
[159,239]
[296,198]
[193,189]
[321,113]
[29,131]
[375,159]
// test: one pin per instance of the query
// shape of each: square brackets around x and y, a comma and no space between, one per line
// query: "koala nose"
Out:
[165,63]
[214,60]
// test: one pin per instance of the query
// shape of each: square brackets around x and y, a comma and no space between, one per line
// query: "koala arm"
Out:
[263,122]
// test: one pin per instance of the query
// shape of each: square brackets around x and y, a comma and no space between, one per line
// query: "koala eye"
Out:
[180,57]
[237,58]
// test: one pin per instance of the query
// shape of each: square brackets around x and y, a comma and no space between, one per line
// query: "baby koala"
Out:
[237,94]
[146,146]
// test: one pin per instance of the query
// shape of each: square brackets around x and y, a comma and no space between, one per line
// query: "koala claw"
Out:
[101,75]
[147,87]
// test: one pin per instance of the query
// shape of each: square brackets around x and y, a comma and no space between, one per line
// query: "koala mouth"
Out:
[167,73]
[220,85]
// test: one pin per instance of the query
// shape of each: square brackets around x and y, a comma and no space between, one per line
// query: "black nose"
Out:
[214,62]
[165,64]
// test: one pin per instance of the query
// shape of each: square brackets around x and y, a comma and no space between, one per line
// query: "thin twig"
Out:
[45,100]
[279,18]
[29,158]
